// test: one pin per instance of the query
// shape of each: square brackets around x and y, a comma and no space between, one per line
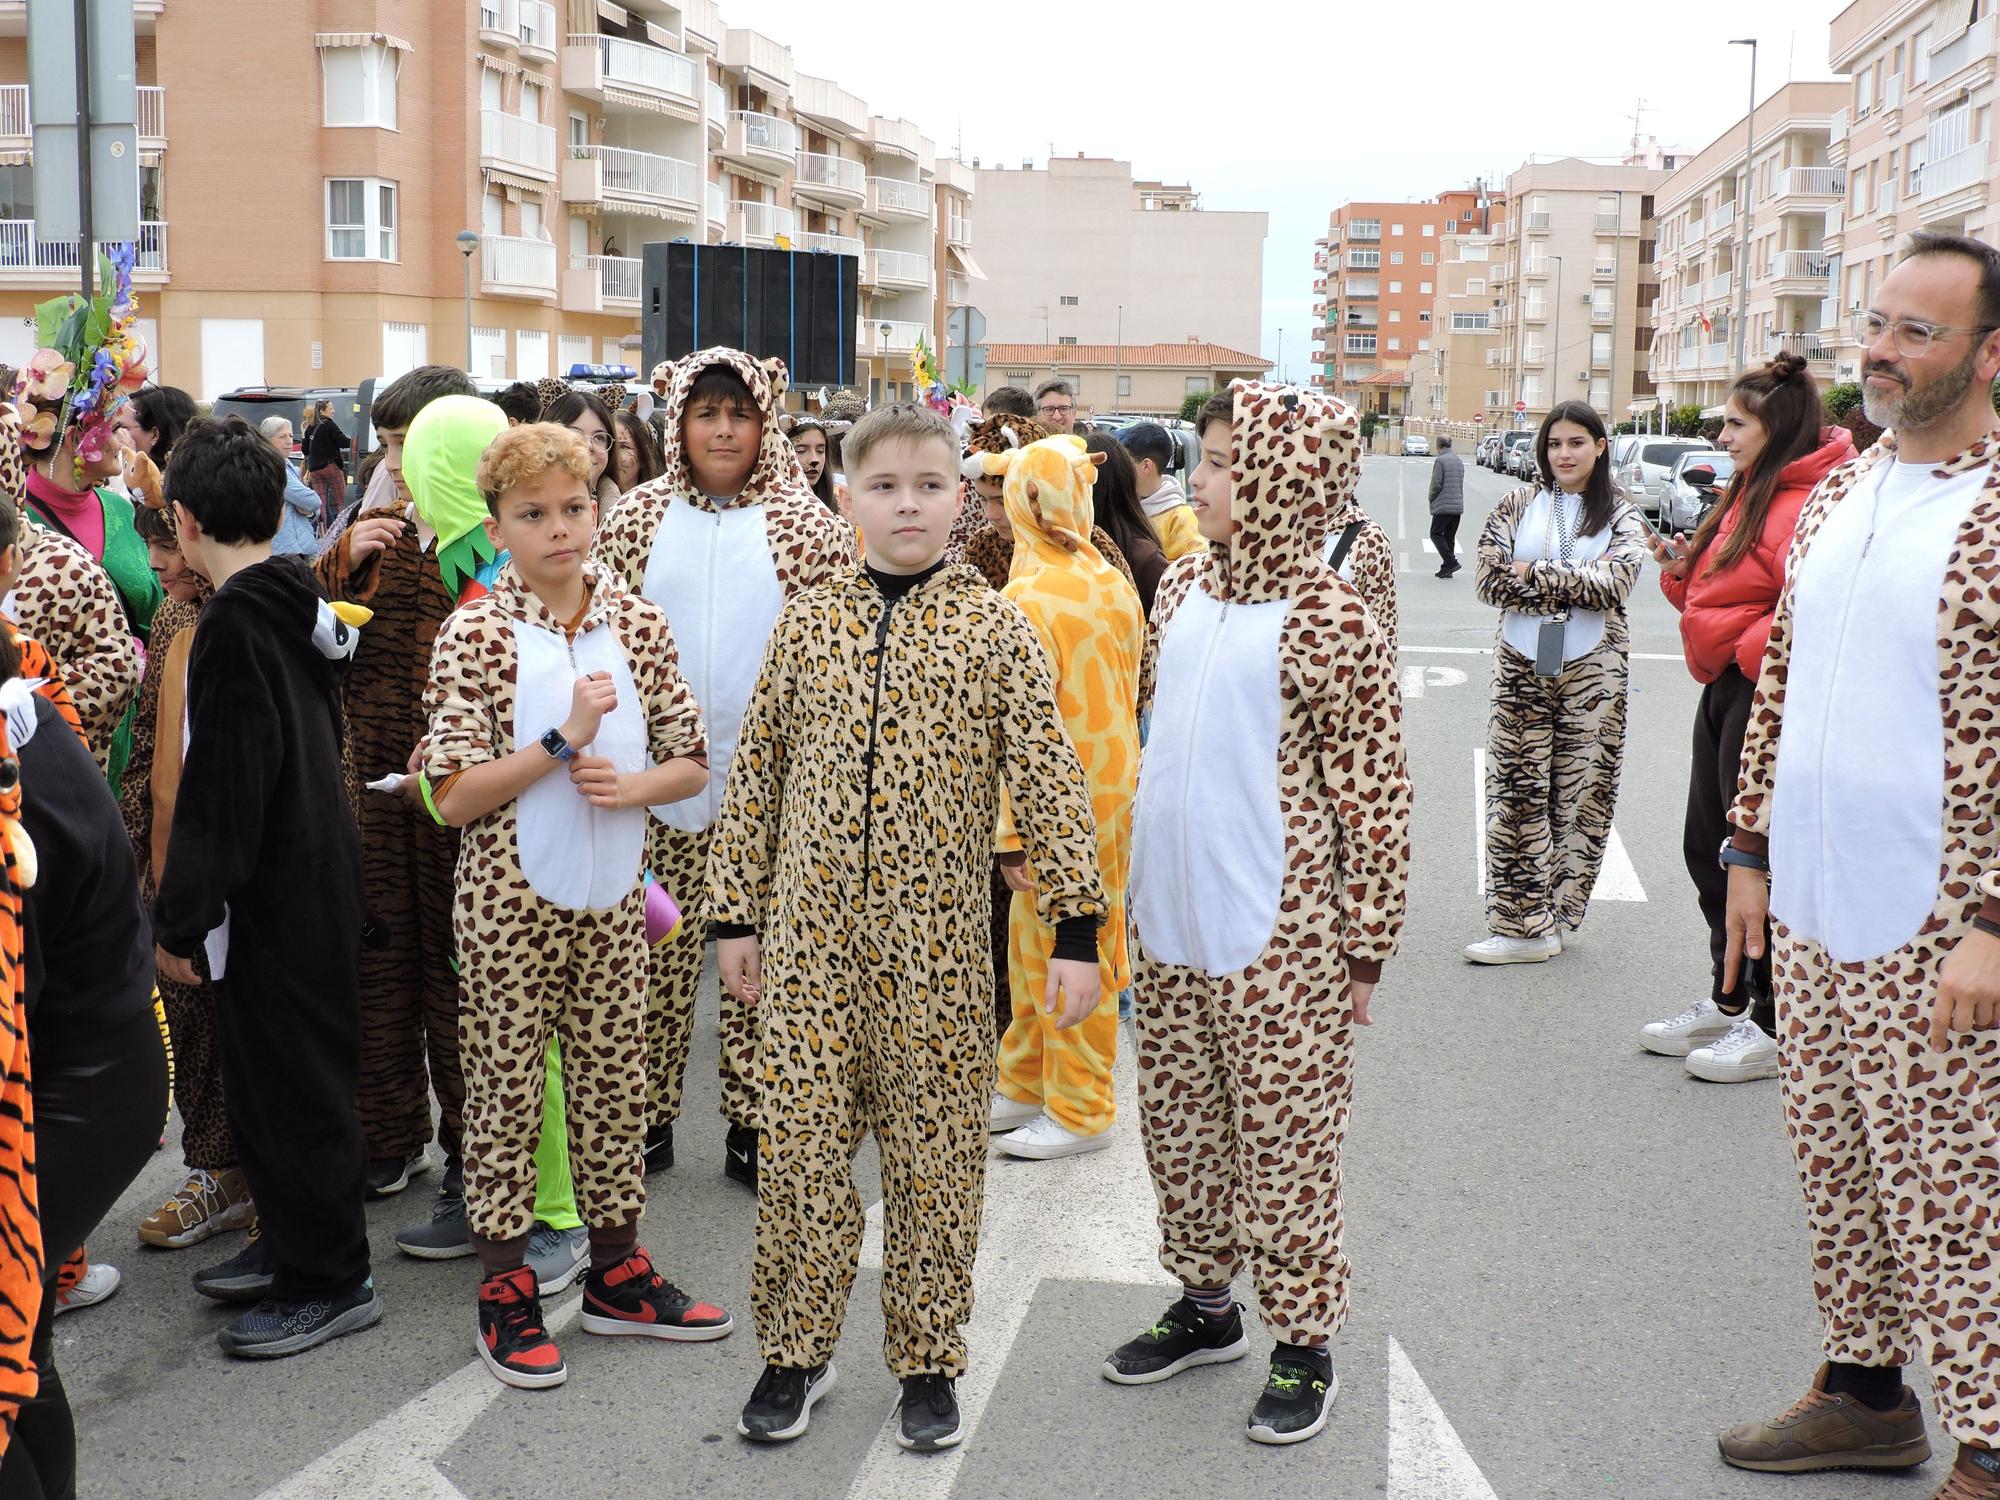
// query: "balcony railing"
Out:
[617,275]
[957,289]
[1721,286]
[1805,345]
[718,204]
[1809,182]
[14,117]
[152,102]
[1695,230]
[515,262]
[521,144]
[831,174]
[1687,358]
[21,249]
[1713,355]
[538,28]
[1722,218]
[1799,265]
[647,69]
[767,135]
[17,118]
[641,174]
[763,221]
[900,339]
[902,267]
[830,244]
[500,22]
[1975,42]
[1537,220]
[958,230]
[892,195]
[1947,174]
[718,108]
[1837,126]
[1604,223]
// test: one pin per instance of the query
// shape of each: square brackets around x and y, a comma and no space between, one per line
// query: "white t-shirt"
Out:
[1535,540]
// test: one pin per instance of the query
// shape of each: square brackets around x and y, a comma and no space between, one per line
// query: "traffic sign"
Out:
[1479,419]
[1520,408]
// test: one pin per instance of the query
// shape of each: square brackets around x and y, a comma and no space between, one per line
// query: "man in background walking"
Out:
[1447,505]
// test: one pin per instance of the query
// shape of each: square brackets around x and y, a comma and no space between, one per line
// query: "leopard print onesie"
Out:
[1370,565]
[549,915]
[721,575]
[855,837]
[1555,745]
[1270,856]
[1896,1143]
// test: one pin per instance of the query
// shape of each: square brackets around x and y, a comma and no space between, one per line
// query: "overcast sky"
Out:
[1295,107]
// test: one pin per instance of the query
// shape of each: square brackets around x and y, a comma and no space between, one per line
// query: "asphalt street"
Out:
[1574,1264]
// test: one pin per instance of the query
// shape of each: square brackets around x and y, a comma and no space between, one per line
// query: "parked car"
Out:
[1647,466]
[1517,457]
[1699,477]
[1416,447]
[1488,446]
[1505,446]
[255,403]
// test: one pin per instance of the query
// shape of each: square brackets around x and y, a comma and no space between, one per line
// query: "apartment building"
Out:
[1573,285]
[1700,224]
[1914,136]
[1122,379]
[1078,252]
[335,183]
[1453,386]
[1375,280]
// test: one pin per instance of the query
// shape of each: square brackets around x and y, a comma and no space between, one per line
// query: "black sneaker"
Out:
[659,1148]
[244,1277]
[1183,1337]
[389,1175]
[930,1414]
[781,1404]
[273,1329]
[1298,1396]
[740,1155]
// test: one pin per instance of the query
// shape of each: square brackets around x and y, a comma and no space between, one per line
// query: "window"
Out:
[1066,340]
[1470,322]
[1395,287]
[489,89]
[492,214]
[360,219]
[1395,315]
[1429,258]
[1196,384]
[1920,57]
[151,210]
[1395,257]
[579,135]
[1360,343]
[1475,286]
[1424,287]
[1124,385]
[1396,231]
[1600,348]
[1424,317]
[1395,344]
[1423,346]
[1864,92]
[1430,230]
[1069,302]
[531,100]
[360,85]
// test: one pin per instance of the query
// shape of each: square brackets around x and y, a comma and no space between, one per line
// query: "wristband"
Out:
[430,806]
[1986,925]
[1743,858]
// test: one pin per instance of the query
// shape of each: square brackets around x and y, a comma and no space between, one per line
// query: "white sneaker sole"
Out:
[236,1216]
[519,1379]
[1054,1150]
[1667,1046]
[814,1391]
[618,1328]
[1004,1120]
[932,1445]
[1227,1354]
[367,1315]
[1710,1072]
[1258,1434]
[563,1281]
[1529,956]
[411,1169]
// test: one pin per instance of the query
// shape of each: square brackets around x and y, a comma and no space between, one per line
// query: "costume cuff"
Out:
[1747,842]
[1076,940]
[734,930]
[1365,970]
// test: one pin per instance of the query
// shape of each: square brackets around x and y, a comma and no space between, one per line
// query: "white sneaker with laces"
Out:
[93,1287]
[1043,1139]
[1011,1114]
[1514,950]
[1743,1053]
[1701,1023]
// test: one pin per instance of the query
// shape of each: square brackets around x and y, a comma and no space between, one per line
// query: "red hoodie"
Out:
[1726,614]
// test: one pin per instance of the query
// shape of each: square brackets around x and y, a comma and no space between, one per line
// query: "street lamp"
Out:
[468,241]
[1743,219]
[883,346]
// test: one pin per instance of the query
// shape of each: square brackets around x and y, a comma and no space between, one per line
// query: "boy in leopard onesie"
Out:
[849,888]
[557,715]
[727,533]
[1262,919]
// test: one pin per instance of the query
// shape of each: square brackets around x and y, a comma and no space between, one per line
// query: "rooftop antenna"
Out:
[1638,110]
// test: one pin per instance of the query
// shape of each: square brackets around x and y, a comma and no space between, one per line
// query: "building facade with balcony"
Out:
[1914,135]
[1125,379]
[565,134]
[1784,273]
[1453,385]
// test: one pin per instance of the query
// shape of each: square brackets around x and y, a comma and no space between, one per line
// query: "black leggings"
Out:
[100,1101]
[1719,723]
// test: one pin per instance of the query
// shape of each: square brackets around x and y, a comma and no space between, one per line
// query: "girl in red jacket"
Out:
[1725,582]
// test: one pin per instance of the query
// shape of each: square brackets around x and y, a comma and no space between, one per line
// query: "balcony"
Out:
[1361,234]
[902,269]
[701,26]
[895,137]
[26,259]
[958,231]
[1799,273]
[629,75]
[1972,47]
[613,176]
[1829,317]
[1536,221]
[538,31]
[718,112]
[1808,183]
[17,116]
[761,142]
[1807,346]
[753,223]
[1362,286]
[1696,228]
[827,244]
[1601,314]
[893,198]
[513,265]
[1955,184]
[1687,357]
[871,341]
[1604,270]
[1720,287]
[718,205]
[500,23]
[1604,223]
[957,289]
[830,107]
[765,62]
[1715,356]
[152,102]
[597,283]
[831,179]
[520,146]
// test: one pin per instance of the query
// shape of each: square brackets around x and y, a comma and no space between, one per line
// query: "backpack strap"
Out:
[1344,546]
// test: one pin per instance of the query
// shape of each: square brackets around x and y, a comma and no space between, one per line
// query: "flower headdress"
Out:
[88,360]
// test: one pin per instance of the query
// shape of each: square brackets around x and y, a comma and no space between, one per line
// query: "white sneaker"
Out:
[1043,1139]
[1743,1054]
[1701,1023]
[1011,1114]
[1514,950]
[94,1286]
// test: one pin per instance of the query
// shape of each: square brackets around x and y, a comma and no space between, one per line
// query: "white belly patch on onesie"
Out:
[711,571]
[573,855]
[1208,839]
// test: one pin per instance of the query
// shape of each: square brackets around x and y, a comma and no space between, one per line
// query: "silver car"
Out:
[1647,465]
[1518,457]
[1682,503]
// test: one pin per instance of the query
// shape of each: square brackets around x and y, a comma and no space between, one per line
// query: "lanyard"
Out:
[1560,537]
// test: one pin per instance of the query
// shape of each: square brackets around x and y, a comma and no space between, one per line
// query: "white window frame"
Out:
[1424,288]
[1428,258]
[1124,385]
[1395,288]
[1396,231]
[1430,231]
[379,239]
[1475,286]
[381,65]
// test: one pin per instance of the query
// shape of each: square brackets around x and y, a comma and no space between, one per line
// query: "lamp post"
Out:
[468,241]
[883,348]
[1743,218]
[1281,356]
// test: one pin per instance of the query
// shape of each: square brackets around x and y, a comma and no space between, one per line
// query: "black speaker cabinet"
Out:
[801,306]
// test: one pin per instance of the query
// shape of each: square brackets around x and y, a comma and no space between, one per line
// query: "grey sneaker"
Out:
[273,1329]
[444,1236]
[558,1257]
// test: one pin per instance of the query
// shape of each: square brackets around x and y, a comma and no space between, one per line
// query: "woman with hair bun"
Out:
[1725,581]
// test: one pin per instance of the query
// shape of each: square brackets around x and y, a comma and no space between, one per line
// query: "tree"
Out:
[1840,400]
[1191,406]
[1685,421]
[1369,422]
[1622,429]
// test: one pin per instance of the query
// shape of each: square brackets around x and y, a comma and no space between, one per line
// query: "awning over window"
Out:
[658,106]
[965,262]
[360,39]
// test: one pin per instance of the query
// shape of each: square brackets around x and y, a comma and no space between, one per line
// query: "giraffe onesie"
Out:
[856,838]
[1092,626]
[549,914]
[1881,856]
[721,570]
[1270,852]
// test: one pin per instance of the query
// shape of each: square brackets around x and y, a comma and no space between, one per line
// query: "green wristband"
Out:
[424,786]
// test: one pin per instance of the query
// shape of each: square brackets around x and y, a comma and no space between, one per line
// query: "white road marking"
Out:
[1617,880]
[1403,562]
[1401,531]
[1415,680]
[1429,546]
[1427,1459]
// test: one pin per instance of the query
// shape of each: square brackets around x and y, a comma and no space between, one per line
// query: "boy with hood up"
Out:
[1359,550]
[1263,918]
[726,535]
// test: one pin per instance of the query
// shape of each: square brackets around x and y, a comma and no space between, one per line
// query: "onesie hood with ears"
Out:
[1295,456]
[1048,497]
[777,468]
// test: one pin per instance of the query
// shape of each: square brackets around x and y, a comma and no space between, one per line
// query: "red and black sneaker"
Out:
[513,1339]
[631,1297]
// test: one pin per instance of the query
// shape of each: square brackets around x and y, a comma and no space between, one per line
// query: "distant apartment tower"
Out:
[1698,211]
[1375,278]
[1455,384]
[1915,137]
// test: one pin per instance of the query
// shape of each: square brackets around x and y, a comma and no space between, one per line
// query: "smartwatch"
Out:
[558,747]
[1731,855]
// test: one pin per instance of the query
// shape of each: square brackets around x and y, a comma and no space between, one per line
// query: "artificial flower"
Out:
[38,427]
[47,376]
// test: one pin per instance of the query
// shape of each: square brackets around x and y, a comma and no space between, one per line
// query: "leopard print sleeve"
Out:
[673,718]
[1042,776]
[464,728]
[743,856]
[1174,585]
[69,603]
[1375,580]
[1493,577]
[1604,583]
[624,543]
